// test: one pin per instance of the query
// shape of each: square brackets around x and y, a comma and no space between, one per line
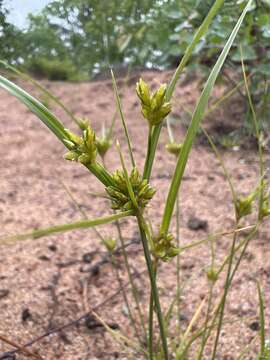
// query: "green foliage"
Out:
[52,69]
[11,47]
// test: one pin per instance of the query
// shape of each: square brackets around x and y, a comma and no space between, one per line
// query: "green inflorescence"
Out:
[174,148]
[82,148]
[164,247]
[154,106]
[119,194]
[103,145]
[244,205]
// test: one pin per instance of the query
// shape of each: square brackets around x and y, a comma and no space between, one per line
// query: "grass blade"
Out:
[182,347]
[84,224]
[36,107]
[119,106]
[194,125]
[198,35]
[54,98]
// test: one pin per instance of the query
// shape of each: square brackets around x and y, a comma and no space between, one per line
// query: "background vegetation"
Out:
[72,39]
[78,39]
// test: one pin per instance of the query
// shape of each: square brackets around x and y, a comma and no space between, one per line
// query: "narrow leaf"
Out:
[84,224]
[194,125]
[170,90]
[46,92]
[198,35]
[36,107]
[119,106]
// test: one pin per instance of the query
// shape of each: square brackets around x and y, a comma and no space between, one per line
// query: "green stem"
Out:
[154,289]
[245,243]
[151,319]
[125,298]
[204,337]
[224,297]
[250,236]
[178,278]
[151,323]
[130,278]
[101,173]
[118,101]
[147,170]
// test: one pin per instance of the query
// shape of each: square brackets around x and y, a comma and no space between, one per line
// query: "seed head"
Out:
[83,123]
[212,275]
[174,148]
[154,106]
[82,149]
[103,145]
[164,247]
[110,244]
[244,205]
[119,194]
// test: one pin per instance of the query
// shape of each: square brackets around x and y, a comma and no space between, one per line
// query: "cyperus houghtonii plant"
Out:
[130,193]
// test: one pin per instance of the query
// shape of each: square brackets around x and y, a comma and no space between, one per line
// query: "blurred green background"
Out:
[77,39]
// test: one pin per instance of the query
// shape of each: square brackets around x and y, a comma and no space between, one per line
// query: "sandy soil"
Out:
[48,282]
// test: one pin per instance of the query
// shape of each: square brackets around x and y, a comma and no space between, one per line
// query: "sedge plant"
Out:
[130,193]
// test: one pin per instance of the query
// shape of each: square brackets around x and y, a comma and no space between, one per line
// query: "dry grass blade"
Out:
[22,349]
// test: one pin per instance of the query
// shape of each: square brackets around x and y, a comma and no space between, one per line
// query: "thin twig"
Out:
[20,348]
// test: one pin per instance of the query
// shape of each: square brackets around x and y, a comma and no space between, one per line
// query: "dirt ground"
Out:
[48,282]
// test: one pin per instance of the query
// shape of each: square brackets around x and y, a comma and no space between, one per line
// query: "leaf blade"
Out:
[194,125]
[48,118]
[83,224]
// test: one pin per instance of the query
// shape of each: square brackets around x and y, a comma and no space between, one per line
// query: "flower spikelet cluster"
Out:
[154,106]
[174,148]
[164,247]
[82,148]
[119,194]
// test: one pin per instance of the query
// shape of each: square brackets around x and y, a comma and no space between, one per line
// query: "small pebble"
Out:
[3,293]
[26,315]
[44,258]
[196,224]
[52,247]
[254,326]
[87,258]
